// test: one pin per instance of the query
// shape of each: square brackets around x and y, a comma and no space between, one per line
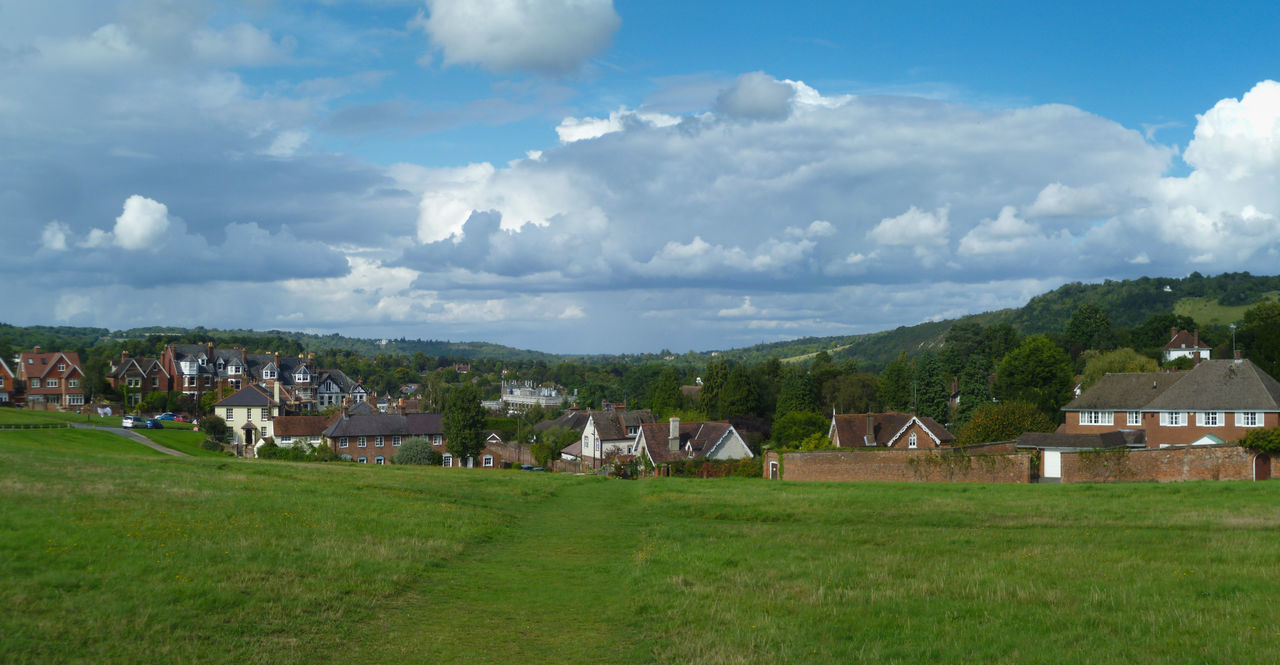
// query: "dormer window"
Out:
[233,369]
[221,364]
[268,374]
[301,377]
[201,361]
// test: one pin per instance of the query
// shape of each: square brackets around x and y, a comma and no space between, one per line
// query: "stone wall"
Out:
[900,466]
[1220,462]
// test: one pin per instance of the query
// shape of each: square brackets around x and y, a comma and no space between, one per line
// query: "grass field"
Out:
[117,554]
[1208,312]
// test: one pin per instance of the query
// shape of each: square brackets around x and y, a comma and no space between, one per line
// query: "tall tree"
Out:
[1089,327]
[1037,372]
[850,393]
[932,388]
[895,385]
[1115,362]
[975,388]
[740,396]
[463,421]
[796,393]
[713,381]
[1003,422]
[1259,336]
[664,396]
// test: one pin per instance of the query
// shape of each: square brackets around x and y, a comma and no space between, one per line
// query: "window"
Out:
[155,382]
[133,382]
[75,399]
[206,380]
[301,377]
[437,440]
[363,460]
[487,460]
[1173,419]
[233,370]
[62,367]
[342,442]
[35,383]
[448,460]
[361,442]
[1,381]
[52,383]
[231,414]
[1095,418]
[286,439]
[395,440]
[188,381]
[911,440]
[1209,419]
[1133,419]
[235,383]
[266,413]
[268,374]
[379,460]
[1248,419]
[378,441]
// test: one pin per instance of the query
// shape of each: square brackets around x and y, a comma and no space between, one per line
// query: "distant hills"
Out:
[1211,301]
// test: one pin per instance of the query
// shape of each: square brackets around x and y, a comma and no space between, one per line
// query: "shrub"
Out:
[210,444]
[214,426]
[1262,441]
[416,450]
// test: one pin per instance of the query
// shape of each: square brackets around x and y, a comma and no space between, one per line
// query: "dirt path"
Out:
[129,434]
[551,589]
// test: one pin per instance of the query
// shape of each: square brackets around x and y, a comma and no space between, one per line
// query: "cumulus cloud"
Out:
[581,129]
[544,36]
[54,236]
[1006,234]
[241,44]
[756,96]
[142,224]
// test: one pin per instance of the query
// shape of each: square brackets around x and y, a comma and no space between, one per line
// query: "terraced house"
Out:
[53,379]
[139,377]
[6,383]
[374,437]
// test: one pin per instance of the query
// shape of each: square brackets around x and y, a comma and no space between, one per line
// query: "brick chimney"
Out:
[1173,332]
[673,435]
[124,356]
[1238,357]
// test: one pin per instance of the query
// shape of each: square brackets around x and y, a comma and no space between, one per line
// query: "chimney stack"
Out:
[673,435]
[1238,357]
[1173,332]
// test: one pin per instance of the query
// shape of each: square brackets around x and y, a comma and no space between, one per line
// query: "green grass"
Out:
[181,438]
[1208,312]
[116,554]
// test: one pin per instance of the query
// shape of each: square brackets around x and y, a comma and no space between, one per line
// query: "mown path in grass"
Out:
[549,589]
[135,437]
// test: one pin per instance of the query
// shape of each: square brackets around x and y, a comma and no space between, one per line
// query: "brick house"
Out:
[1217,401]
[140,376]
[374,437]
[664,443]
[1183,344]
[52,378]
[887,430]
[306,431]
[607,433]
[7,379]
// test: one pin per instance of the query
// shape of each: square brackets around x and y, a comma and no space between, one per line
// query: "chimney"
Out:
[673,435]
[1195,357]
[276,384]
[1239,358]
[36,349]
[869,438]
[124,355]
[1195,338]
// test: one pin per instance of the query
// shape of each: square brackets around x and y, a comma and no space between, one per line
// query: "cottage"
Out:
[887,430]
[250,414]
[664,443]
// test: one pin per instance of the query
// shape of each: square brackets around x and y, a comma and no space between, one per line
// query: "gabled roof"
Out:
[851,428]
[1221,385]
[1129,391]
[5,368]
[424,424]
[340,379]
[1182,339]
[368,424]
[613,425]
[697,440]
[300,425]
[45,364]
[247,396]
[574,420]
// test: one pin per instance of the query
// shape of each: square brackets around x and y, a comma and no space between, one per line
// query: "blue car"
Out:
[152,423]
[167,416]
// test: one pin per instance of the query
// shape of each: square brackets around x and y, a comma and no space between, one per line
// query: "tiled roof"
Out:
[1125,392]
[696,440]
[372,424]
[1221,385]
[1113,439]
[247,396]
[300,425]
[1185,340]
[423,424]
[851,428]
[574,420]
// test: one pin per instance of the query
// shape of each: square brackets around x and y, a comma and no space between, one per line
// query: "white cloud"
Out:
[287,143]
[1240,138]
[544,36]
[581,129]
[54,236]
[756,96]
[240,44]
[1058,200]
[744,310]
[142,224]
[1006,234]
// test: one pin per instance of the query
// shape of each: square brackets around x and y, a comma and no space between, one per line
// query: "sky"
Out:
[597,176]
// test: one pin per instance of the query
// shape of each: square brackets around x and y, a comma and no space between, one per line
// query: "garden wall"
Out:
[1176,463]
[900,466]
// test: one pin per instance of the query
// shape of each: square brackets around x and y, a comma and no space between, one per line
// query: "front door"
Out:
[1262,467]
[773,470]
[1052,464]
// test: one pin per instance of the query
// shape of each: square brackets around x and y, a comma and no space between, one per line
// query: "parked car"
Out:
[129,422]
[167,416]
[152,423]
[181,418]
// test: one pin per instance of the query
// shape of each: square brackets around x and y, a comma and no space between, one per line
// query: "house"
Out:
[1183,344]
[374,437]
[189,368]
[887,430]
[674,441]
[498,453]
[609,433]
[520,396]
[334,388]
[6,383]
[1217,401]
[51,378]
[305,431]
[250,414]
[138,377]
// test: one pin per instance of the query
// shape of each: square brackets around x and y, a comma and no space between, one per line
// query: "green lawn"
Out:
[180,437]
[1208,312]
[116,554]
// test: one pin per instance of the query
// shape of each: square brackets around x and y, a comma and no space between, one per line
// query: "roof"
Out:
[696,440]
[574,449]
[1113,439]
[1221,385]
[300,425]
[1129,391]
[422,424]
[369,424]
[44,363]
[851,428]
[613,425]
[247,396]
[1182,339]
[574,420]
[5,367]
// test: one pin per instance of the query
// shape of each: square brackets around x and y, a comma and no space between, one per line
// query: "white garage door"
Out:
[1052,464]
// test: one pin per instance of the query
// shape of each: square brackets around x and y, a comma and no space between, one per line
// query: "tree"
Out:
[214,426]
[1003,422]
[1262,440]
[933,395]
[549,442]
[463,421]
[416,450]
[1037,372]
[796,393]
[713,381]
[664,395]
[1115,362]
[739,396]
[975,388]
[851,393]
[794,427]
[1154,332]
[895,385]
[1260,336]
[1090,327]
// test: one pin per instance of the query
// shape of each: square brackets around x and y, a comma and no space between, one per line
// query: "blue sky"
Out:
[595,176]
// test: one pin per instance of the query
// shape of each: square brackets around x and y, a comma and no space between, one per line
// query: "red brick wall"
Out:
[896,465]
[1221,462]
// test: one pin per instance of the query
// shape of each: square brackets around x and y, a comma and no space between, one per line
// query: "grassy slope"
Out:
[165,560]
[1209,312]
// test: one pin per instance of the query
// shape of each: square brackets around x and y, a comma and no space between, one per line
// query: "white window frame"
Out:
[51,383]
[75,400]
[379,460]
[396,440]
[62,367]
[487,461]
[133,382]
[266,413]
[268,374]
[1133,418]
[379,441]
[437,440]
[1248,419]
[286,439]
[230,415]
[1097,418]
[155,382]
[1209,419]
[1173,419]
[912,441]
[362,460]
[447,460]
[362,442]
[343,442]
[35,383]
